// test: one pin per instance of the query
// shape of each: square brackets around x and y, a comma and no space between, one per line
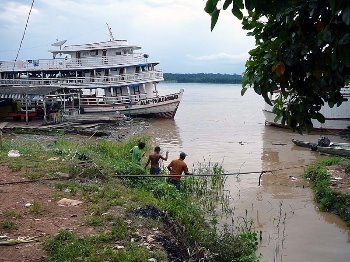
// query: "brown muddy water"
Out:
[215,124]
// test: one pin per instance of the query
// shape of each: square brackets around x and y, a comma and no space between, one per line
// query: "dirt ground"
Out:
[38,221]
[47,220]
[339,179]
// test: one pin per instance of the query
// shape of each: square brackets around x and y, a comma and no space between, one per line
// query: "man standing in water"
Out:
[154,159]
[136,153]
[176,168]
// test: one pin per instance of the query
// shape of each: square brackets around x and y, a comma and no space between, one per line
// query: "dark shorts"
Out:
[154,170]
[174,182]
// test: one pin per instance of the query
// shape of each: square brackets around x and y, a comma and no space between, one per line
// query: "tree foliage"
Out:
[203,78]
[302,51]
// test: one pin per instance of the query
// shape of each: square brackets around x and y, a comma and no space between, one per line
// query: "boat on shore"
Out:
[336,118]
[340,149]
[102,77]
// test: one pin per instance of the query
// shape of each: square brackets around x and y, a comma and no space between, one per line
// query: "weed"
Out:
[8,224]
[68,247]
[347,168]
[95,221]
[36,208]
[11,214]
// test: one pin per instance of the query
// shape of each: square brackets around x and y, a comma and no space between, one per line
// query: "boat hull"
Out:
[339,149]
[157,107]
[335,150]
[336,118]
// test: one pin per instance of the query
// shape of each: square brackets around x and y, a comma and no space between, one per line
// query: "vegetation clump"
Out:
[327,195]
[133,218]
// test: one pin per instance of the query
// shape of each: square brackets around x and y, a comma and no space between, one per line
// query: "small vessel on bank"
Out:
[100,77]
[339,149]
[336,118]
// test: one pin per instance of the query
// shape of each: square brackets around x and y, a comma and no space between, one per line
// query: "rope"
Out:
[33,181]
[161,176]
[24,33]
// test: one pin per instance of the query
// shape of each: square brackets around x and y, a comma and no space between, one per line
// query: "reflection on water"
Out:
[215,123]
[165,133]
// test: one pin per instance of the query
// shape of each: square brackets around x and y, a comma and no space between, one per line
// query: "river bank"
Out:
[62,201]
[330,181]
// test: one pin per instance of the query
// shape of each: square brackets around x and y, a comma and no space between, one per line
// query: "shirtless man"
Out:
[154,159]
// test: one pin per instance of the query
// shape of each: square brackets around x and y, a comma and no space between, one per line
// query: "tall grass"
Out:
[192,214]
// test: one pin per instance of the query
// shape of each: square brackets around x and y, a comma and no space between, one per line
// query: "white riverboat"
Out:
[336,118]
[109,76]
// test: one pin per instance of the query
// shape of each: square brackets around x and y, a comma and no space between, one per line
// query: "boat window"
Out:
[94,52]
[118,91]
[136,90]
[118,53]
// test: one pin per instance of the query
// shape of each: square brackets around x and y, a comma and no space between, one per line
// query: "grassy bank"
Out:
[137,219]
[330,198]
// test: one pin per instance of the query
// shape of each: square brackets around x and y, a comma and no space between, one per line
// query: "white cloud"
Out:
[224,57]
[165,29]
[15,13]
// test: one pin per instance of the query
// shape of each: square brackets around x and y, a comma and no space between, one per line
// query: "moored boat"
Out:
[110,76]
[340,149]
[336,118]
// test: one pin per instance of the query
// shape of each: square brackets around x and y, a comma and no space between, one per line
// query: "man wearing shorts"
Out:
[154,160]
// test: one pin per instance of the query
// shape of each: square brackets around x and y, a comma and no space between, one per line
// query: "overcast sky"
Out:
[174,32]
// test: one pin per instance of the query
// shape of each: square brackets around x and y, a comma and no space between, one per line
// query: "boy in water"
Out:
[136,153]
[154,159]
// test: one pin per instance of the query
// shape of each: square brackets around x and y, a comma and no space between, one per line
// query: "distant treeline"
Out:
[203,78]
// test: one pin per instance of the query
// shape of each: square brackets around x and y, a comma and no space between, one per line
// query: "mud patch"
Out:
[170,237]
[339,179]
[41,221]
[149,211]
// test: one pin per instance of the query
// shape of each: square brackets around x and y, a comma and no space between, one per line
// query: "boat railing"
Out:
[123,79]
[112,100]
[141,98]
[71,63]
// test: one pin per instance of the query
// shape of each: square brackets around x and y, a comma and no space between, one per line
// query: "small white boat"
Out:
[336,118]
[111,76]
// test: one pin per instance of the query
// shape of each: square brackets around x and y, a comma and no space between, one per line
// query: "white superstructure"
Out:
[111,75]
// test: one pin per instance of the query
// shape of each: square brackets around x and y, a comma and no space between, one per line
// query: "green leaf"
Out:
[210,6]
[214,18]
[346,15]
[237,13]
[238,3]
[320,118]
[249,4]
[243,91]
[227,4]
[266,98]
[345,39]
[327,35]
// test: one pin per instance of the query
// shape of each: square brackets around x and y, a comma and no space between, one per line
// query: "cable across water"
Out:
[159,176]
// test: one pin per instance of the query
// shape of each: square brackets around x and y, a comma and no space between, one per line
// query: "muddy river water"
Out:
[214,123]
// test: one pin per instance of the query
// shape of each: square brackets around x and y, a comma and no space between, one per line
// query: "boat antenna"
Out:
[59,43]
[111,37]
[24,33]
